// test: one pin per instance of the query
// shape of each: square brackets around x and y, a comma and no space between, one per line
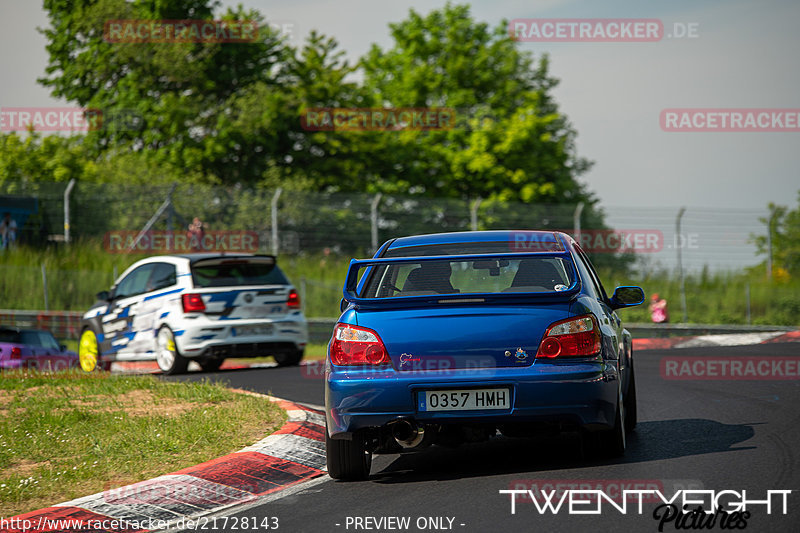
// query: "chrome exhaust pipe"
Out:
[407,433]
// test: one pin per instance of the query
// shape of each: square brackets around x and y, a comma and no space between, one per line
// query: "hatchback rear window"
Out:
[531,274]
[237,272]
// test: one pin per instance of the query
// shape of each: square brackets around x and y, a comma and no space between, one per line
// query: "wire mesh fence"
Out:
[293,222]
[316,234]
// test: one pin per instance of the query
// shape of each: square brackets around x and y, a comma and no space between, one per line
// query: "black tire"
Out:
[210,365]
[348,460]
[613,441]
[631,416]
[176,364]
[290,358]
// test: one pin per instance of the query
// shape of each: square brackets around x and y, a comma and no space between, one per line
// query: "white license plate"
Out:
[464,400]
[247,331]
[261,311]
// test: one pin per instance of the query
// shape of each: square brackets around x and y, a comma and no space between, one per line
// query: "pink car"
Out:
[33,349]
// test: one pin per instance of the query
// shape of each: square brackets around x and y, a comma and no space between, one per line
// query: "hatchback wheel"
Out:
[89,352]
[169,360]
[613,441]
[290,358]
[630,404]
[210,365]
[348,460]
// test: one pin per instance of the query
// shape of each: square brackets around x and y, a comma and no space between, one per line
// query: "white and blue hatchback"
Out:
[203,307]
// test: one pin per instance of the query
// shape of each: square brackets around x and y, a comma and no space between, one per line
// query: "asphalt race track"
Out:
[692,434]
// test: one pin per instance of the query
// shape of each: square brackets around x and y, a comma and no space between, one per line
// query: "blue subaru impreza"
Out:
[454,337]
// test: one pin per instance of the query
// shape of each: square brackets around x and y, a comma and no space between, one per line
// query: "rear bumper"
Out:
[216,338]
[583,395]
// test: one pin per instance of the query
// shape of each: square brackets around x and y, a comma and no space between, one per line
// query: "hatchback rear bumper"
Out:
[583,395]
[223,338]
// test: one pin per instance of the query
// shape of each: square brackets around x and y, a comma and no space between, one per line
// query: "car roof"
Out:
[15,329]
[471,236]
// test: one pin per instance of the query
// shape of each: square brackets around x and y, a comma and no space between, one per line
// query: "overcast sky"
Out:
[744,56]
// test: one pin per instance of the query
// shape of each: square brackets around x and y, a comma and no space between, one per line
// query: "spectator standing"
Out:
[8,232]
[658,309]
[195,234]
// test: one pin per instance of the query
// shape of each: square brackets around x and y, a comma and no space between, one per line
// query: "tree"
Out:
[183,92]
[785,231]
[510,142]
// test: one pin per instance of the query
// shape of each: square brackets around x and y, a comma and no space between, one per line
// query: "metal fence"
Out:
[292,222]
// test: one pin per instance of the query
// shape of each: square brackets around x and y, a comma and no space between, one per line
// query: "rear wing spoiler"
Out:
[353,284]
[212,258]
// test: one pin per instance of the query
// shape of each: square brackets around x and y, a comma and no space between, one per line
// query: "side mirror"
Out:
[104,296]
[627,297]
[343,305]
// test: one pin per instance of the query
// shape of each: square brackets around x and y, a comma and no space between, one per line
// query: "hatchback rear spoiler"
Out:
[352,285]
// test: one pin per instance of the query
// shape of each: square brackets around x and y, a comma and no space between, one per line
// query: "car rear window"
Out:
[10,336]
[237,272]
[534,274]
[28,337]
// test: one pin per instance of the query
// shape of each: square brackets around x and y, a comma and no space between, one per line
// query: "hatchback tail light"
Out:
[354,345]
[16,353]
[573,337]
[193,303]
[293,300]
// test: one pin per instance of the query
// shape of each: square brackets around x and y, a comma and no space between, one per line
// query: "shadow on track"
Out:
[652,441]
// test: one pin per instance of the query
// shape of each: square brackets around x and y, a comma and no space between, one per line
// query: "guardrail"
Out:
[647,330]
[66,325]
[62,324]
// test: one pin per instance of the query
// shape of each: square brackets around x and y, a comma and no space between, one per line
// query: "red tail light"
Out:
[353,345]
[16,353]
[573,337]
[193,303]
[293,301]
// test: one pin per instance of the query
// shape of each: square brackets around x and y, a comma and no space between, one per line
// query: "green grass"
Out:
[71,434]
[77,272]
[718,298]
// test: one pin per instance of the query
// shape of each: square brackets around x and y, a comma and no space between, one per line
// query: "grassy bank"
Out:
[718,299]
[71,434]
[76,273]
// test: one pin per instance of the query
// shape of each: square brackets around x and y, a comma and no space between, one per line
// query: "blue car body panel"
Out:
[452,341]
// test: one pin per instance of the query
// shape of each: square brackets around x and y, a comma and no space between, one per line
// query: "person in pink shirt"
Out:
[658,309]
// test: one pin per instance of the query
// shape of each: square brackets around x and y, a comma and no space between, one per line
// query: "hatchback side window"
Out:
[134,283]
[593,274]
[163,276]
[586,276]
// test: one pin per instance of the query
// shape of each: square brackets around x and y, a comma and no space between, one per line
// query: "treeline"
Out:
[232,113]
